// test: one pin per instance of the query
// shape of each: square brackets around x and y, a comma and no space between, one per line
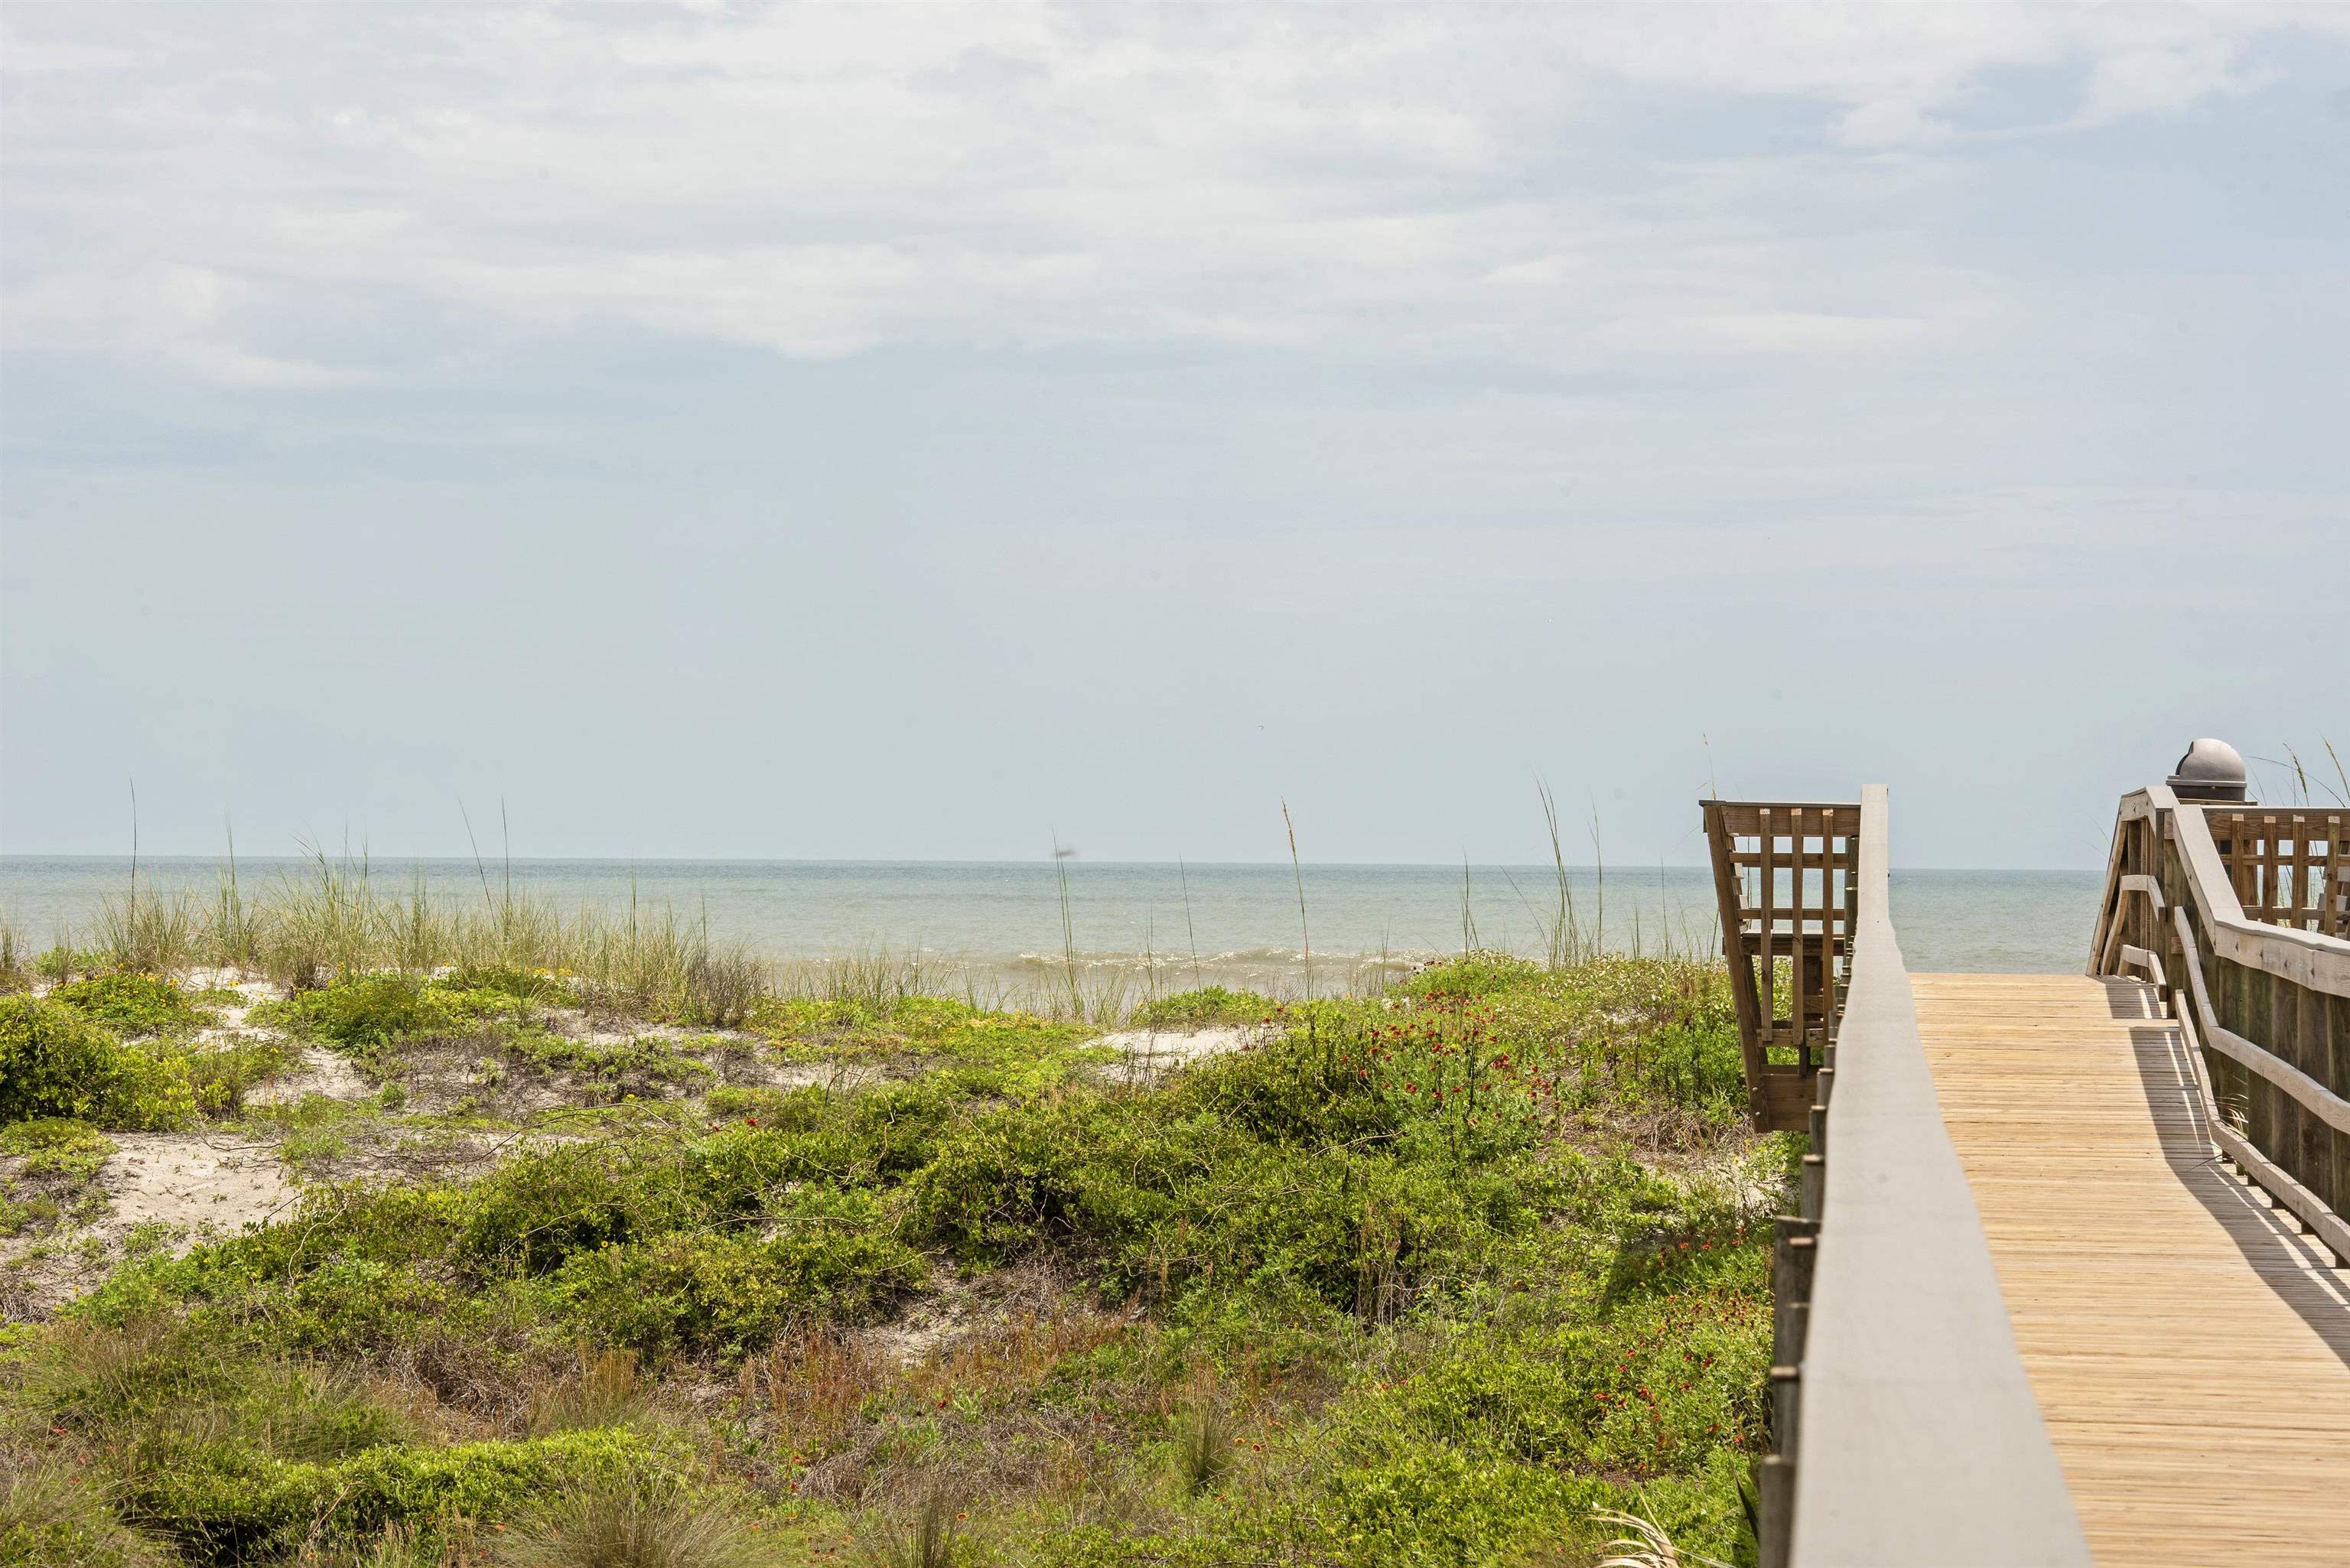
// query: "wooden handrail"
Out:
[2258,1168]
[1920,1441]
[2277,1039]
[2307,958]
[2303,887]
[1905,1428]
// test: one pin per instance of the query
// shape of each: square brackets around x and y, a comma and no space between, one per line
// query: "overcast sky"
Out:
[873,431]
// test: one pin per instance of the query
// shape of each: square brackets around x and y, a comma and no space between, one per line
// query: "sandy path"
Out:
[1148,1053]
[194,1182]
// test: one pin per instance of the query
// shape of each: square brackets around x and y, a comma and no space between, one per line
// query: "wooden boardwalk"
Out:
[2189,1350]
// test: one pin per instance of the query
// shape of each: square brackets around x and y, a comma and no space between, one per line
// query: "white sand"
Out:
[1153,1053]
[192,1182]
[318,1073]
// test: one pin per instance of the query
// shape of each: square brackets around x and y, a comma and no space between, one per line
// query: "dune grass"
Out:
[336,920]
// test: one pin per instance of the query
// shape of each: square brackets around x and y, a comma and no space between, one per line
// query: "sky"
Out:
[891,432]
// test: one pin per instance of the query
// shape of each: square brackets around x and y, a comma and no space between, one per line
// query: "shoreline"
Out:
[1006,928]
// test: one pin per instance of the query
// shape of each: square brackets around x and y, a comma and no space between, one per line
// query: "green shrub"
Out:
[360,1307]
[505,979]
[128,1003]
[997,1188]
[736,1100]
[1031,1052]
[640,1066]
[1278,1168]
[220,1075]
[56,1062]
[61,1159]
[539,1209]
[57,1145]
[21,1216]
[1303,1089]
[732,1175]
[227,1502]
[1697,1063]
[370,1016]
[733,1293]
[305,1412]
[368,1011]
[895,1128]
[783,1018]
[1207,1005]
[62,961]
[1432,1503]
[355,1268]
[870,1140]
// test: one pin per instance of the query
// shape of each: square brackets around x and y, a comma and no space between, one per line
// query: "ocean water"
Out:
[1232,924]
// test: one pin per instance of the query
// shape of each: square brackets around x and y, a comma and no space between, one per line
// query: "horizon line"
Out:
[218,858]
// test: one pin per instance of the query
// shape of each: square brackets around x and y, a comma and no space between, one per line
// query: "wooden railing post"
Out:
[1719,843]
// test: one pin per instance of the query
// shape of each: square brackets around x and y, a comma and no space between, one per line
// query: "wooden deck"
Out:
[2189,1351]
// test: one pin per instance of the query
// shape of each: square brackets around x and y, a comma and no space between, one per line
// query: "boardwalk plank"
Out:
[2190,1349]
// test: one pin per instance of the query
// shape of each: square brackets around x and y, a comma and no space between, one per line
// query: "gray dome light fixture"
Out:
[2211,770]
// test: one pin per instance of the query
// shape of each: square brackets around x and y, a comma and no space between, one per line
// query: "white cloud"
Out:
[179,315]
[1892,122]
[2163,79]
[1895,66]
[59,58]
[329,227]
[1795,331]
[818,182]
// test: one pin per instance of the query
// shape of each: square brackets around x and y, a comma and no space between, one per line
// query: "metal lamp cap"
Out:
[2211,770]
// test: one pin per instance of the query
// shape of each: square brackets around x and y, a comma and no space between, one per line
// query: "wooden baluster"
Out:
[1852,889]
[2125,913]
[2302,1142]
[2334,879]
[2342,880]
[1827,927]
[2335,1016]
[2335,897]
[2296,865]
[2234,854]
[2252,846]
[1729,889]
[2262,1098]
[2304,870]
[2281,852]
[1797,1009]
[2272,870]
[2319,1141]
[1770,903]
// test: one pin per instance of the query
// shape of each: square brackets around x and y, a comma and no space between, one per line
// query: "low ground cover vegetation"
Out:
[577,1276]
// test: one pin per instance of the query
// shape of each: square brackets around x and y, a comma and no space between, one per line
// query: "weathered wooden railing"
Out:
[2290,866]
[1903,1428]
[2239,914]
[1782,874]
